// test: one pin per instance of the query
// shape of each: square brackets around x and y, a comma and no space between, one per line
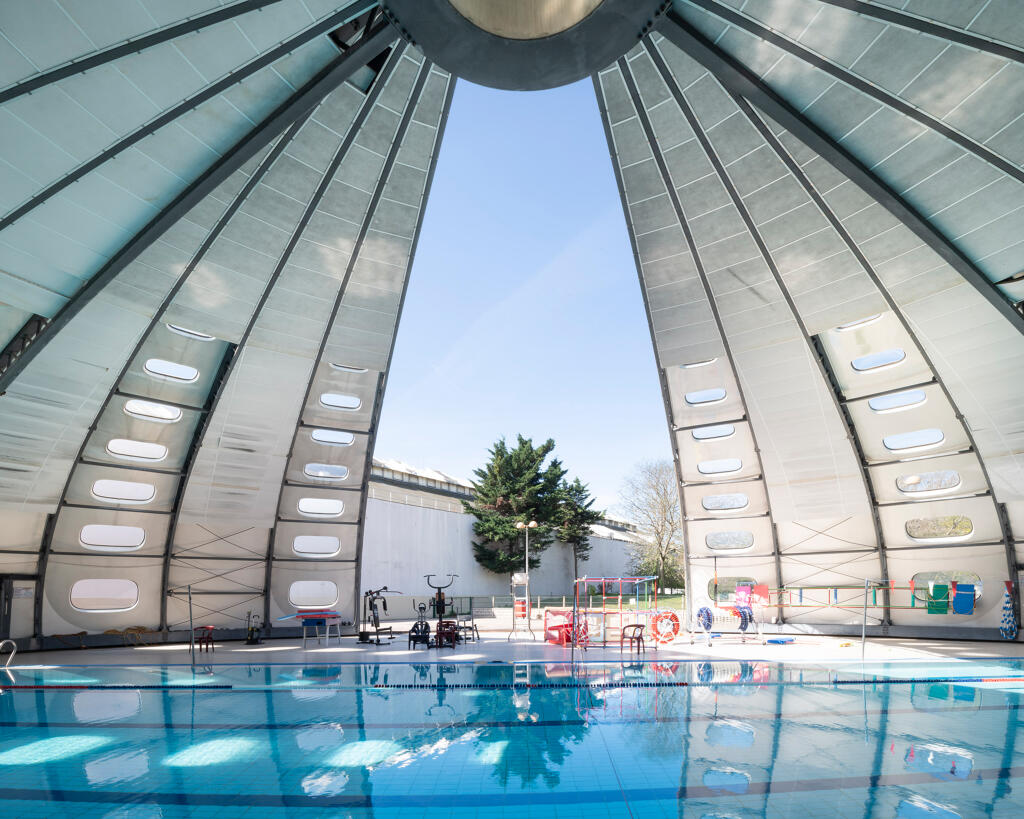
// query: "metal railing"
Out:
[14,650]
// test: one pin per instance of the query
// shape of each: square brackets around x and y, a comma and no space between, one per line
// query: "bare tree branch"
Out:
[650,499]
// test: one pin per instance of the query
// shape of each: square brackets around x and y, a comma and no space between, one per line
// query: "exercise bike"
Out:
[447,631]
[371,616]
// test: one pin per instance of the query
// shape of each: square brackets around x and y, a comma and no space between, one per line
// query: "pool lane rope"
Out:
[701,682]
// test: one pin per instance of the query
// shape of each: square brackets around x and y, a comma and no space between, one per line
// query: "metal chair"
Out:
[467,628]
[635,635]
[419,633]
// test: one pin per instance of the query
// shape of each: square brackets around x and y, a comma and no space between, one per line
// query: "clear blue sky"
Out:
[524,313]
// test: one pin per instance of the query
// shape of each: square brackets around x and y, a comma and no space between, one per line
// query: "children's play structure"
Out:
[635,603]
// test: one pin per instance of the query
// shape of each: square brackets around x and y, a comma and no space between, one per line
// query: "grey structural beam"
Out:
[673,194]
[171,114]
[300,227]
[666,401]
[46,546]
[919,24]
[873,91]
[740,81]
[22,340]
[296,107]
[357,245]
[798,174]
[227,364]
[115,52]
[755,234]
[382,386]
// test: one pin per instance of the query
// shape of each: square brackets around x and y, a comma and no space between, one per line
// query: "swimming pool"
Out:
[701,739]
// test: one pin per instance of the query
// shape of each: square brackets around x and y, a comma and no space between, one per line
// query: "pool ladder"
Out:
[14,650]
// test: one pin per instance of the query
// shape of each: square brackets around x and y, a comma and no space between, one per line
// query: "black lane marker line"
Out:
[514,686]
[550,723]
[558,797]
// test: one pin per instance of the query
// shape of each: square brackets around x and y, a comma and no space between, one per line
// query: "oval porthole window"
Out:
[897,401]
[172,371]
[136,450]
[312,594]
[720,466]
[716,431]
[321,507]
[101,595]
[725,503]
[327,472]
[863,322]
[106,537]
[923,582]
[337,400]
[729,541]
[123,491]
[696,364]
[944,480]
[151,411]
[345,368]
[943,527]
[333,437]
[193,334]
[711,396]
[316,545]
[874,361]
[918,439]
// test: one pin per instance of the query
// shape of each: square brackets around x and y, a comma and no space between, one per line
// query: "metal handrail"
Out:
[14,650]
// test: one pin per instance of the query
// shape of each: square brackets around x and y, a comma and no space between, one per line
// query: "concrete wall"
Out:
[402,543]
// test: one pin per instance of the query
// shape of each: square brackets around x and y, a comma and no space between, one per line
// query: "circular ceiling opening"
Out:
[524,19]
[523,45]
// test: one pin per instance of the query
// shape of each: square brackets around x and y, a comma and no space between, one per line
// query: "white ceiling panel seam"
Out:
[668,185]
[880,528]
[237,203]
[137,41]
[277,547]
[327,178]
[938,28]
[171,115]
[865,264]
[742,80]
[252,142]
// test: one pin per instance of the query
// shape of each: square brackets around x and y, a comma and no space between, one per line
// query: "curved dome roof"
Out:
[208,215]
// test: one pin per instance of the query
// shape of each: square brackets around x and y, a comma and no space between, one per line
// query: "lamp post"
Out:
[527,526]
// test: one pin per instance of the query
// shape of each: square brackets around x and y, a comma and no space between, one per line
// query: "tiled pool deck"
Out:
[492,646]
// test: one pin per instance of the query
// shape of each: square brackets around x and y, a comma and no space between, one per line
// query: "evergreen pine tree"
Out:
[575,517]
[514,486]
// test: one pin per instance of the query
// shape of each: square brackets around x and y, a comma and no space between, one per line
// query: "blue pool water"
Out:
[911,740]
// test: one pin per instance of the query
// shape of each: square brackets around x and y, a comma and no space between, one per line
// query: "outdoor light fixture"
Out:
[527,526]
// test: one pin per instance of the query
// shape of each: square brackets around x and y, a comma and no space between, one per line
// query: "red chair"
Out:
[204,638]
[447,634]
[635,635]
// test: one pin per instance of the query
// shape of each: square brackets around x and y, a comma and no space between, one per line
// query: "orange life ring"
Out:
[665,627]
